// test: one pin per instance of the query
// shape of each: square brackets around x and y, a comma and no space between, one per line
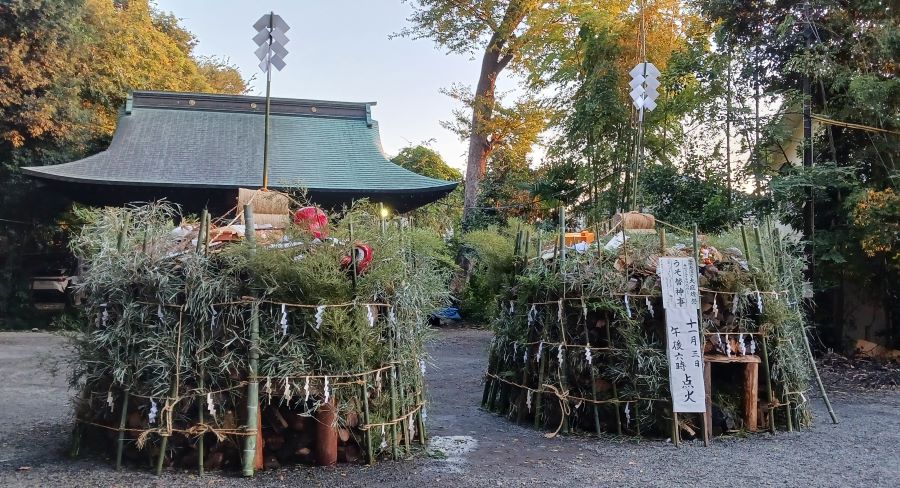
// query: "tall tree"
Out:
[501,29]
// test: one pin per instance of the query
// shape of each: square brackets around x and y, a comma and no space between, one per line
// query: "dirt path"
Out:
[471,447]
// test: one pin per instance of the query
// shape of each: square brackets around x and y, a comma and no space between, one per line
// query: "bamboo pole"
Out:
[609,344]
[395,440]
[249,457]
[563,365]
[703,421]
[120,446]
[770,392]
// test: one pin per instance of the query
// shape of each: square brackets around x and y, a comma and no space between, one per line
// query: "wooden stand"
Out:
[751,386]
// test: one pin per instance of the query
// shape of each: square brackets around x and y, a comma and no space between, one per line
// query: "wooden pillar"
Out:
[751,394]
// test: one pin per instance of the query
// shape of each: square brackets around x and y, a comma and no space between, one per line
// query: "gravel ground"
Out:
[470,447]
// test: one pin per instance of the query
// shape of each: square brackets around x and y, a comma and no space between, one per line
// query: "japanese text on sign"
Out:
[681,300]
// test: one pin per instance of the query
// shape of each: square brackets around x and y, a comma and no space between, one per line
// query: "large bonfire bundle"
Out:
[580,339]
[305,346]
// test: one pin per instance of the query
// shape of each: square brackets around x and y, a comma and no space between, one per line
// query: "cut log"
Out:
[751,393]
[326,434]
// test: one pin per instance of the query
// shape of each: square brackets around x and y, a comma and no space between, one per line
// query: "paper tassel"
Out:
[627,413]
[110,401]
[287,389]
[528,401]
[743,348]
[752,345]
[306,390]
[727,346]
[370,315]
[525,356]
[384,443]
[210,406]
[583,309]
[327,390]
[559,354]
[540,350]
[284,321]
[532,314]
[587,354]
[212,318]
[269,388]
[560,312]
[627,306]
[320,313]
[649,306]
[154,409]
[759,301]
[715,309]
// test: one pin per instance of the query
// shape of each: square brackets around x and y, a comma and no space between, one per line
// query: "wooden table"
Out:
[751,386]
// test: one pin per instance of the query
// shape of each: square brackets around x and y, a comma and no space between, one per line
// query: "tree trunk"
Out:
[482,111]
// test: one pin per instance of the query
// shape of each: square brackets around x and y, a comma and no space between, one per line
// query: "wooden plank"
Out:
[721,358]
[751,395]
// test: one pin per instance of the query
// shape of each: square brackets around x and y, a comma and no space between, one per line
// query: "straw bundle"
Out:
[269,207]
[635,220]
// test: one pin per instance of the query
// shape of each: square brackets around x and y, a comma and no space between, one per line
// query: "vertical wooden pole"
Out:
[120,447]
[201,448]
[563,366]
[706,422]
[751,392]
[770,392]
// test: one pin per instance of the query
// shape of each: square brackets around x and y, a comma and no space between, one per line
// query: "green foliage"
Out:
[446,213]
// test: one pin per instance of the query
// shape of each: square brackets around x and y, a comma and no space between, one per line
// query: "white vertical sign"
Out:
[681,300]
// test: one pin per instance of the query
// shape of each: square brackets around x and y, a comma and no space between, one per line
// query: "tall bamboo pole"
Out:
[253,363]
[201,448]
[563,366]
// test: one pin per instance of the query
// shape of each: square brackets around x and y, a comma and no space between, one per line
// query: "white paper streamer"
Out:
[412,427]
[320,312]
[284,321]
[559,354]
[525,356]
[752,345]
[715,309]
[734,305]
[627,413]
[269,388]
[742,347]
[422,366]
[560,312]
[759,301]
[528,400]
[627,306]
[727,346]
[540,350]
[384,443]
[210,406]
[306,390]
[587,354]
[583,309]
[391,317]
[370,315]
[649,306]
[154,409]
[110,401]
[532,314]
[287,389]
[512,307]
[327,390]
[378,383]
[104,316]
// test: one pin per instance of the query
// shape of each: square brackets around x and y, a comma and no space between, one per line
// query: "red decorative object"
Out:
[314,219]
[363,256]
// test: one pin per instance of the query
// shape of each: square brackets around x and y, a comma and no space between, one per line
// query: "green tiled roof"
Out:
[216,141]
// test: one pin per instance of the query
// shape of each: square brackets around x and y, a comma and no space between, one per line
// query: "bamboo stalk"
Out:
[770,392]
[703,420]
[120,446]
[364,387]
[542,377]
[395,440]
[563,365]
[252,392]
[122,418]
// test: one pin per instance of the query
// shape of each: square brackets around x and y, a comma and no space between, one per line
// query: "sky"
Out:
[341,50]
